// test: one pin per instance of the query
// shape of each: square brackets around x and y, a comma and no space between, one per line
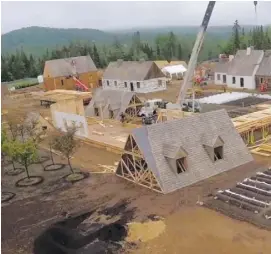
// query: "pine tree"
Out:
[180,52]
[96,57]
[236,36]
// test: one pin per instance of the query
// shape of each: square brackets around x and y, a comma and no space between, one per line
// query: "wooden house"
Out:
[59,73]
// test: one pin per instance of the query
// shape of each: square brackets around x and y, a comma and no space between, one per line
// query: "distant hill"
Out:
[35,40]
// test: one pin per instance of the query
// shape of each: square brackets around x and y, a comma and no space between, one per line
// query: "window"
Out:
[138,84]
[218,76]
[218,153]
[125,84]
[160,83]
[62,82]
[233,80]
[224,79]
[107,82]
[180,163]
[241,82]
[96,112]
[261,80]
[111,114]
[115,83]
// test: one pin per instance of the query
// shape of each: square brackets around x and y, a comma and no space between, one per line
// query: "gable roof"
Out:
[161,63]
[187,134]
[131,70]
[64,67]
[244,64]
[221,67]
[265,66]
[116,100]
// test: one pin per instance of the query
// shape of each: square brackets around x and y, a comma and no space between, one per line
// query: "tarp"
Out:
[174,69]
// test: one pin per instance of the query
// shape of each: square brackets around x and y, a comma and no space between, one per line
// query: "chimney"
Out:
[231,57]
[248,51]
[73,67]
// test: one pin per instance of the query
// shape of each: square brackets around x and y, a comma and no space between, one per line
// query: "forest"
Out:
[167,46]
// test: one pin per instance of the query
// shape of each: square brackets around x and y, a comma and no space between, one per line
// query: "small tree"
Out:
[4,139]
[25,153]
[9,149]
[66,143]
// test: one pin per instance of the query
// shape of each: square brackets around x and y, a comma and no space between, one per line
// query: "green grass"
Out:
[22,83]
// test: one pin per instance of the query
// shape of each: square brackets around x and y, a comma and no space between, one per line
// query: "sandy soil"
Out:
[203,231]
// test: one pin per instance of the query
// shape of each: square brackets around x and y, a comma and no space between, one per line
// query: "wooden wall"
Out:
[71,106]
[90,79]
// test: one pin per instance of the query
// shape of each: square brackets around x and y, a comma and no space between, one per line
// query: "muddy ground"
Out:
[189,228]
[31,211]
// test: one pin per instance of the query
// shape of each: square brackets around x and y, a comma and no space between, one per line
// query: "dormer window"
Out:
[214,148]
[180,163]
[218,153]
[176,157]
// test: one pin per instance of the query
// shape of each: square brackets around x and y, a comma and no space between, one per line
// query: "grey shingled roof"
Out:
[221,67]
[243,64]
[63,67]
[128,70]
[188,133]
[115,100]
[265,66]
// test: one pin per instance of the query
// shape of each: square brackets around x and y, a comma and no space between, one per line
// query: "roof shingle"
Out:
[63,67]
[128,70]
[265,66]
[187,134]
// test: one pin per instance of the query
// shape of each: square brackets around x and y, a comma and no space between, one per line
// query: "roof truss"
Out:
[134,168]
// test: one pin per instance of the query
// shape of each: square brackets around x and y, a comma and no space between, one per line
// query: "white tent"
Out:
[174,69]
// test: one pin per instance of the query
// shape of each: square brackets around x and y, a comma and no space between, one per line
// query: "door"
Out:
[241,82]
[224,79]
[132,86]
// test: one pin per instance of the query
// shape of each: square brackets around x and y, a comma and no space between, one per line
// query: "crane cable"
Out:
[256,16]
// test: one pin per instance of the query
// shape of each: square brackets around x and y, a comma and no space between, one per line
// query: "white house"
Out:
[135,76]
[241,70]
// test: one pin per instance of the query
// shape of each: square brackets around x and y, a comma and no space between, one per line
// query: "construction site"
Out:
[155,161]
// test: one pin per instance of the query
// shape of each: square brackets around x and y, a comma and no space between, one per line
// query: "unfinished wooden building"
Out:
[109,104]
[59,73]
[171,155]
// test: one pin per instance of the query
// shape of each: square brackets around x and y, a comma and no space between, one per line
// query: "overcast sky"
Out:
[117,15]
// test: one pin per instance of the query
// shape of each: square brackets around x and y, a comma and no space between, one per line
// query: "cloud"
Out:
[118,15]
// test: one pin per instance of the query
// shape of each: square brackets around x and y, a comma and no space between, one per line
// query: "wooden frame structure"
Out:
[171,114]
[255,126]
[51,97]
[134,107]
[134,168]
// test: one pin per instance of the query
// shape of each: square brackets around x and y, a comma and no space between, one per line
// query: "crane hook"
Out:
[255,4]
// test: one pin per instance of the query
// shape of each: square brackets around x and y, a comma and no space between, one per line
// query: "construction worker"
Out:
[122,117]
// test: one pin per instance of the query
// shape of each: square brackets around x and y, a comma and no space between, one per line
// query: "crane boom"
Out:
[195,53]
